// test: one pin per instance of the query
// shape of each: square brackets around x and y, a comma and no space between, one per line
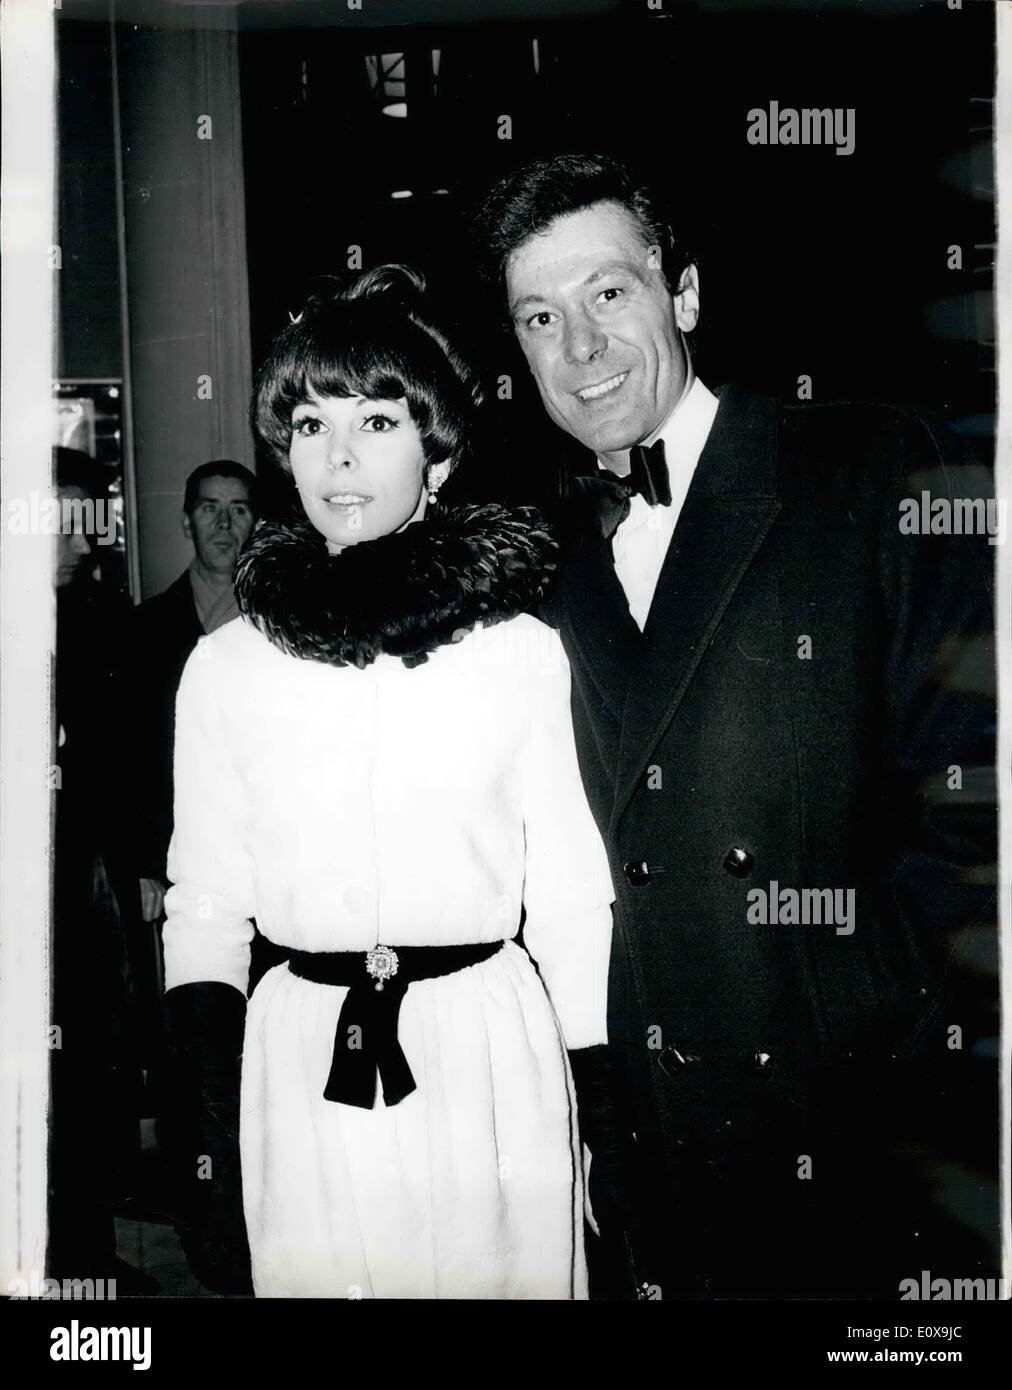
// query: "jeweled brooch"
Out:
[381,963]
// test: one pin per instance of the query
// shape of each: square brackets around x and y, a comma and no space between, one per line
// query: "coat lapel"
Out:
[600,625]
[179,601]
[730,507]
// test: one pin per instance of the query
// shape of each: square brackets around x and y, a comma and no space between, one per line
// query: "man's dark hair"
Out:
[218,468]
[528,200]
[75,468]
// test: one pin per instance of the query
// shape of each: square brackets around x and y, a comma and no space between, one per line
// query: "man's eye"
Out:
[612,293]
[378,424]
[541,319]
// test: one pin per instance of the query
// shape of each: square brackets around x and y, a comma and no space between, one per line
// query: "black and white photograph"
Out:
[506,642]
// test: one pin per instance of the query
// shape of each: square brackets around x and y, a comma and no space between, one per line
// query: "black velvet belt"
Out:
[366,1038]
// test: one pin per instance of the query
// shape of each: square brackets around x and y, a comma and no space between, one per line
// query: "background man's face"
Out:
[599,328]
[219,522]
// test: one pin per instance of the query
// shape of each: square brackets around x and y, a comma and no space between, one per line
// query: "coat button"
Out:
[673,1063]
[760,1063]
[637,873]
[739,863]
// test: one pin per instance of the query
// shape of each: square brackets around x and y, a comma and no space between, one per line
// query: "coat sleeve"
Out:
[208,929]
[567,886]
[939,878]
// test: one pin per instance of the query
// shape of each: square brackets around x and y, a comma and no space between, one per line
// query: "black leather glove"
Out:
[206,1023]
[623,1257]
[607,1132]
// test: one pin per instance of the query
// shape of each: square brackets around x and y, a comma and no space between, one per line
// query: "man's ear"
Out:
[686,299]
[187,526]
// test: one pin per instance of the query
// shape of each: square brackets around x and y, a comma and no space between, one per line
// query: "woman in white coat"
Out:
[376,763]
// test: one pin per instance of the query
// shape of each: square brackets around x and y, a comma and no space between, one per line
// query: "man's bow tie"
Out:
[609,495]
[648,474]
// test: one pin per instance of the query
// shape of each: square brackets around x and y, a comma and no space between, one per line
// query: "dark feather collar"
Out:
[405,594]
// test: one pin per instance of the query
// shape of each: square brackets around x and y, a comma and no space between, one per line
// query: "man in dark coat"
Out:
[218,513]
[219,509]
[781,701]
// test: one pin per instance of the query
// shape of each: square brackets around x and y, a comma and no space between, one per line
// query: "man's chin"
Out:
[610,439]
[221,561]
[608,435]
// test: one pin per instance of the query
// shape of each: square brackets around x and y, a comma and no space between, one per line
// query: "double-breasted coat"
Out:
[809,707]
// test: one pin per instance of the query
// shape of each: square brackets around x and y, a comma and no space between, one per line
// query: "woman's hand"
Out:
[206,1026]
[607,1135]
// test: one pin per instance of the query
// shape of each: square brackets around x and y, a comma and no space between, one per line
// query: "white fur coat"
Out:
[344,808]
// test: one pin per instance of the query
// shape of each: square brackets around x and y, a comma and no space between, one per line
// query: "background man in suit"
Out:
[776,691]
[219,509]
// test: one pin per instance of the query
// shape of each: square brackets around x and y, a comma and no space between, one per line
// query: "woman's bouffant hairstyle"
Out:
[373,338]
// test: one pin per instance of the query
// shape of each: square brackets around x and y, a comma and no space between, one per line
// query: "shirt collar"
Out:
[215,606]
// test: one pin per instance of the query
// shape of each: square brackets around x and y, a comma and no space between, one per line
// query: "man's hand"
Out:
[152,899]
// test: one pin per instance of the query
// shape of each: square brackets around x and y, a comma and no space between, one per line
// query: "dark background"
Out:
[810,262]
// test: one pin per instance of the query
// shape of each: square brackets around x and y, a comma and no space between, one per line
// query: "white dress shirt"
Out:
[641,542]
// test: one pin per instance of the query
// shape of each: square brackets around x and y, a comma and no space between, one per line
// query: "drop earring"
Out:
[434,490]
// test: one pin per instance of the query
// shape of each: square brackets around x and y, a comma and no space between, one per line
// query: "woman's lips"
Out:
[347,500]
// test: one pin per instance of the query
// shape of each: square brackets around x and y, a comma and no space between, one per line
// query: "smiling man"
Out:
[601,330]
[771,684]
